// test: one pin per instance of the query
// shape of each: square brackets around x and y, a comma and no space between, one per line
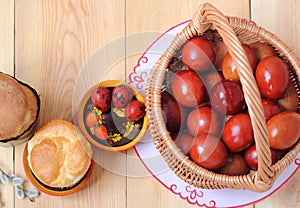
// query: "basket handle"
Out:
[206,15]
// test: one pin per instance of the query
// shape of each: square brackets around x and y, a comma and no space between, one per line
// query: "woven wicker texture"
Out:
[233,31]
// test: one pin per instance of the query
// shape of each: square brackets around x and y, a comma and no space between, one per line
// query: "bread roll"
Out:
[59,155]
[18,107]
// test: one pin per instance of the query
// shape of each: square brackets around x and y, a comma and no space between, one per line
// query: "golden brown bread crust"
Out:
[58,154]
[18,107]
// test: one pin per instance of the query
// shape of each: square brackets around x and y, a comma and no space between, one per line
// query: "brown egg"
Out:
[235,165]
[262,50]
[211,79]
[184,142]
[230,69]
[220,50]
[289,100]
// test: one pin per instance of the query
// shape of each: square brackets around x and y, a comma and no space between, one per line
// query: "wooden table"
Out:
[47,43]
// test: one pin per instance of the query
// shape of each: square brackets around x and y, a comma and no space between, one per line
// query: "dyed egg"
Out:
[121,96]
[101,98]
[135,110]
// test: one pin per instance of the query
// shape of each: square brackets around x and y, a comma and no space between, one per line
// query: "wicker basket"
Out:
[233,31]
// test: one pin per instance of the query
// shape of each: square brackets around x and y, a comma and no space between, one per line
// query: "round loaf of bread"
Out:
[59,156]
[19,108]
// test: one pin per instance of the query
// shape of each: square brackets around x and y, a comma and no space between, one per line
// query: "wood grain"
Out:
[282,20]
[55,39]
[7,66]
[287,196]
[158,16]
[54,42]
[7,36]
[56,46]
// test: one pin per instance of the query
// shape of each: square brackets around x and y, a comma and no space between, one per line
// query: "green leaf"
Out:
[119,111]
[129,128]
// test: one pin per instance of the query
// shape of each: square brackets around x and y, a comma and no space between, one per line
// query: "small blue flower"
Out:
[4,178]
[32,193]
[17,181]
[20,193]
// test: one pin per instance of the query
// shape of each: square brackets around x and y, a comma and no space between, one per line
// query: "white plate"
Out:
[156,165]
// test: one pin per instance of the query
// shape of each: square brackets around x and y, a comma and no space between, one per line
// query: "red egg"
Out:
[283,130]
[198,54]
[211,79]
[101,98]
[205,120]
[238,133]
[184,142]
[272,77]
[262,50]
[135,110]
[251,157]
[188,88]
[235,165]
[171,112]
[229,68]
[289,100]
[208,151]
[220,50]
[227,97]
[270,108]
[121,96]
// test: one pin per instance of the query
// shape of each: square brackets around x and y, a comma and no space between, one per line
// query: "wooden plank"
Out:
[7,66]
[54,42]
[282,20]
[158,16]
[287,196]
[7,36]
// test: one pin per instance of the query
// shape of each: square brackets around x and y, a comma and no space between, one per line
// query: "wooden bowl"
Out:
[122,134]
[41,187]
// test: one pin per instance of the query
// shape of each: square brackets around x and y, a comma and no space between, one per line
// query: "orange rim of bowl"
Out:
[48,191]
[87,95]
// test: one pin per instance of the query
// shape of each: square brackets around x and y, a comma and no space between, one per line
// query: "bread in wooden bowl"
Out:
[59,156]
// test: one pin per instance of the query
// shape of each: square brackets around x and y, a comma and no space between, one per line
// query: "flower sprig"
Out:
[17,182]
